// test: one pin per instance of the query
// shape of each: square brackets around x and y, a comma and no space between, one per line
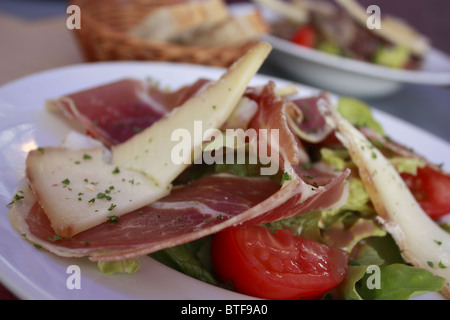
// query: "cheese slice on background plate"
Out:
[78,190]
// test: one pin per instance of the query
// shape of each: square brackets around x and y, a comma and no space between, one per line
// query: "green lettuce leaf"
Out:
[343,227]
[378,272]
[124,266]
[329,47]
[304,225]
[392,56]
[407,165]
[192,259]
[358,113]
[348,231]
[358,200]
[339,159]
[363,257]
[401,282]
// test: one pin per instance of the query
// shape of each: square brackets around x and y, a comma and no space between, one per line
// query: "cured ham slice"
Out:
[272,114]
[114,112]
[205,206]
[184,215]
[306,120]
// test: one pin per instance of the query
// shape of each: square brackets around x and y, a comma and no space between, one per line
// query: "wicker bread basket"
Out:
[103,36]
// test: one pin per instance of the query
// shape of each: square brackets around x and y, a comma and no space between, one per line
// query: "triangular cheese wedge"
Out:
[150,151]
[422,242]
[78,190]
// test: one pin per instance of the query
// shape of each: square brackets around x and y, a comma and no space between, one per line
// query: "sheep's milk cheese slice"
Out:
[422,242]
[152,150]
[78,190]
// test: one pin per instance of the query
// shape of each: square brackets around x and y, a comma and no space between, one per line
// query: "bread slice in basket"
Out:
[206,23]
[170,22]
[235,30]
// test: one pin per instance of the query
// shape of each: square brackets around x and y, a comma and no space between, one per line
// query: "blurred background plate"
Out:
[346,76]
[352,77]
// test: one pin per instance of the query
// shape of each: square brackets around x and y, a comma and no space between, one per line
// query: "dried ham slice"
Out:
[204,207]
[272,114]
[306,119]
[114,112]
[184,215]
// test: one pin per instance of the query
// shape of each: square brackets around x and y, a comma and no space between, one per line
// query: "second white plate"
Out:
[351,77]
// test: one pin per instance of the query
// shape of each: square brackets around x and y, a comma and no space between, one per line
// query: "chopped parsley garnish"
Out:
[137,129]
[440,265]
[86,156]
[116,170]
[285,177]
[55,238]
[66,182]
[306,165]
[113,219]
[378,143]
[16,198]
[102,195]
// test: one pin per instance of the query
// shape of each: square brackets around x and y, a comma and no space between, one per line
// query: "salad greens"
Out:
[124,266]
[394,57]
[352,227]
[192,259]
[358,113]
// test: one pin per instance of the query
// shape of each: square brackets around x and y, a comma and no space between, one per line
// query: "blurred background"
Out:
[37,27]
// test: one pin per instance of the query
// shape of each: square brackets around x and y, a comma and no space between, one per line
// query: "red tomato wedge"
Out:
[277,266]
[305,36]
[431,188]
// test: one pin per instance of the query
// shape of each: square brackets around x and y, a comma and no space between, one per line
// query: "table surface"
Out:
[26,27]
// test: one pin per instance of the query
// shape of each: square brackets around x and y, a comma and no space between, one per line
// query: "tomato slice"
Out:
[305,36]
[431,188]
[278,266]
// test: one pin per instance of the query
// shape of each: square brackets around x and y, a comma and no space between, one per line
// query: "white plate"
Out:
[351,77]
[25,124]
[346,76]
